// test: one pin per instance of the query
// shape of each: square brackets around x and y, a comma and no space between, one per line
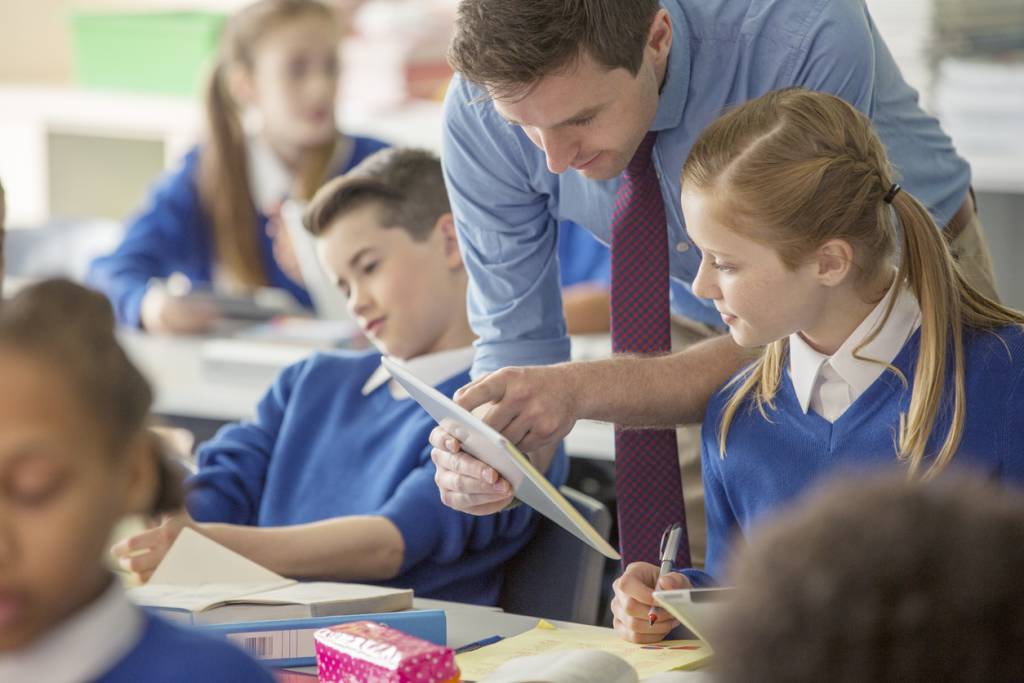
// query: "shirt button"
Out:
[682,247]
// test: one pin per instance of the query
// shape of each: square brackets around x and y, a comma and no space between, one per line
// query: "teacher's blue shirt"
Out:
[506,202]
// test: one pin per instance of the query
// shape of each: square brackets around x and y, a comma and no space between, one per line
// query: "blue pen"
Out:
[479,644]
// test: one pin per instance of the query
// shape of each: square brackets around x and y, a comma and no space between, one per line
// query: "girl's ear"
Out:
[141,474]
[446,232]
[835,261]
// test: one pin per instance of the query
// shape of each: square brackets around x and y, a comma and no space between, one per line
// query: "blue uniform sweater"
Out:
[770,464]
[320,449]
[172,234]
[171,654]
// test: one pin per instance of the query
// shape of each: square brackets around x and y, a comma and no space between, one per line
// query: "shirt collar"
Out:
[433,368]
[672,99]
[84,647]
[805,363]
[270,180]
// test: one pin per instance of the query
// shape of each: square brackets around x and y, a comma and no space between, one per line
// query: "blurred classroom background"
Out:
[98,96]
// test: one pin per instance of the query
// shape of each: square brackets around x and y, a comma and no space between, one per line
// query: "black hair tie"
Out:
[891,194]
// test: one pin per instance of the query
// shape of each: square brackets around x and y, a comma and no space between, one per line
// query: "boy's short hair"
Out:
[406,184]
[885,580]
[508,46]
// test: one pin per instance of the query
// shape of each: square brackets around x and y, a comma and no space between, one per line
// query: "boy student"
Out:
[553,101]
[881,580]
[333,479]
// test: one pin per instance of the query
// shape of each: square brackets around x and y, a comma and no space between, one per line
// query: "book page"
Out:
[194,597]
[645,659]
[195,559]
[313,593]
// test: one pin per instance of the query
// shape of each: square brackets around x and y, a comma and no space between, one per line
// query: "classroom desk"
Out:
[209,380]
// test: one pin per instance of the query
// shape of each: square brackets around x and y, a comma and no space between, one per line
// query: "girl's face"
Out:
[408,296]
[293,82]
[61,492]
[759,298]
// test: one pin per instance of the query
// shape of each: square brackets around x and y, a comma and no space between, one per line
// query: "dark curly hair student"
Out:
[882,580]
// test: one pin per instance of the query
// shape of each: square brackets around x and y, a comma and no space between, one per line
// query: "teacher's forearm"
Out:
[656,391]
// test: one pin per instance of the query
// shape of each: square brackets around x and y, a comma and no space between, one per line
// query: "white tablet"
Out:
[488,445]
[696,608]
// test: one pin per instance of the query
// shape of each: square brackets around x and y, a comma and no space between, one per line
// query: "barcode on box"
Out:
[258,647]
[270,645]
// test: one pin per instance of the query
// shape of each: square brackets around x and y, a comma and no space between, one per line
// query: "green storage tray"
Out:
[160,52]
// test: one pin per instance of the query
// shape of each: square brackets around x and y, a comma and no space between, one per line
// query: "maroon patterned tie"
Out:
[647,484]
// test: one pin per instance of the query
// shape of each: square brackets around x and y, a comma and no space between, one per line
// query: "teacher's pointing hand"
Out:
[534,408]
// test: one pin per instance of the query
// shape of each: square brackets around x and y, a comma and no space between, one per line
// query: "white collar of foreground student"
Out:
[433,368]
[84,647]
[807,364]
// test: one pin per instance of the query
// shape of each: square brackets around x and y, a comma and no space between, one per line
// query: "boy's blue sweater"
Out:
[770,464]
[172,234]
[320,449]
[171,654]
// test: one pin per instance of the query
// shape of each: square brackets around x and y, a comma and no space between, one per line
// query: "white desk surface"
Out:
[223,379]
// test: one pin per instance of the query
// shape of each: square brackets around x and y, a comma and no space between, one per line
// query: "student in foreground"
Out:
[271,133]
[76,457]
[882,580]
[869,360]
[333,479]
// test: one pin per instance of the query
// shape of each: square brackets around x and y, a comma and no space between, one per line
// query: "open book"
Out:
[200,581]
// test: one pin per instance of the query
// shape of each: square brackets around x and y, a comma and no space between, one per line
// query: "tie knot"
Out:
[642,157]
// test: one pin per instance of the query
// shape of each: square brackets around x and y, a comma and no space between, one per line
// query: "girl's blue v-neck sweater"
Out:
[771,463]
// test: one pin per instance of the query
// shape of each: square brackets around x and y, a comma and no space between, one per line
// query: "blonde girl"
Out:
[877,353]
[75,457]
[270,134]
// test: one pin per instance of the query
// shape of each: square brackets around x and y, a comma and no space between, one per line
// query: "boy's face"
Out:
[408,296]
[61,492]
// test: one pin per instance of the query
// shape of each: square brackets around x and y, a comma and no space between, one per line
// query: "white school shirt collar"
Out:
[433,368]
[84,647]
[270,180]
[830,384]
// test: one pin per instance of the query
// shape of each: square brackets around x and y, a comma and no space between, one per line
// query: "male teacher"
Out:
[585,110]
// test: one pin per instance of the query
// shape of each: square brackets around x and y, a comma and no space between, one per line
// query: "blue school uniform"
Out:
[319,448]
[770,464]
[173,234]
[172,654]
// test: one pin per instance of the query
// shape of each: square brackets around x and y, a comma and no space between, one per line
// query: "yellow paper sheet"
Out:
[647,660]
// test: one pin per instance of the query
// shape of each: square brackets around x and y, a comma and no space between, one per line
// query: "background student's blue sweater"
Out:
[173,234]
[319,449]
[769,464]
[171,654]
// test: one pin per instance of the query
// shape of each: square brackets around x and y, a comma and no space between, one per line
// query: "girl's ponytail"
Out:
[224,185]
[927,267]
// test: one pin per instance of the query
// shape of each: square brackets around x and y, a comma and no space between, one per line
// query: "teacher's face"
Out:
[589,118]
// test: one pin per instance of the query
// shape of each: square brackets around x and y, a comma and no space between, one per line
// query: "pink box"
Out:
[368,652]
